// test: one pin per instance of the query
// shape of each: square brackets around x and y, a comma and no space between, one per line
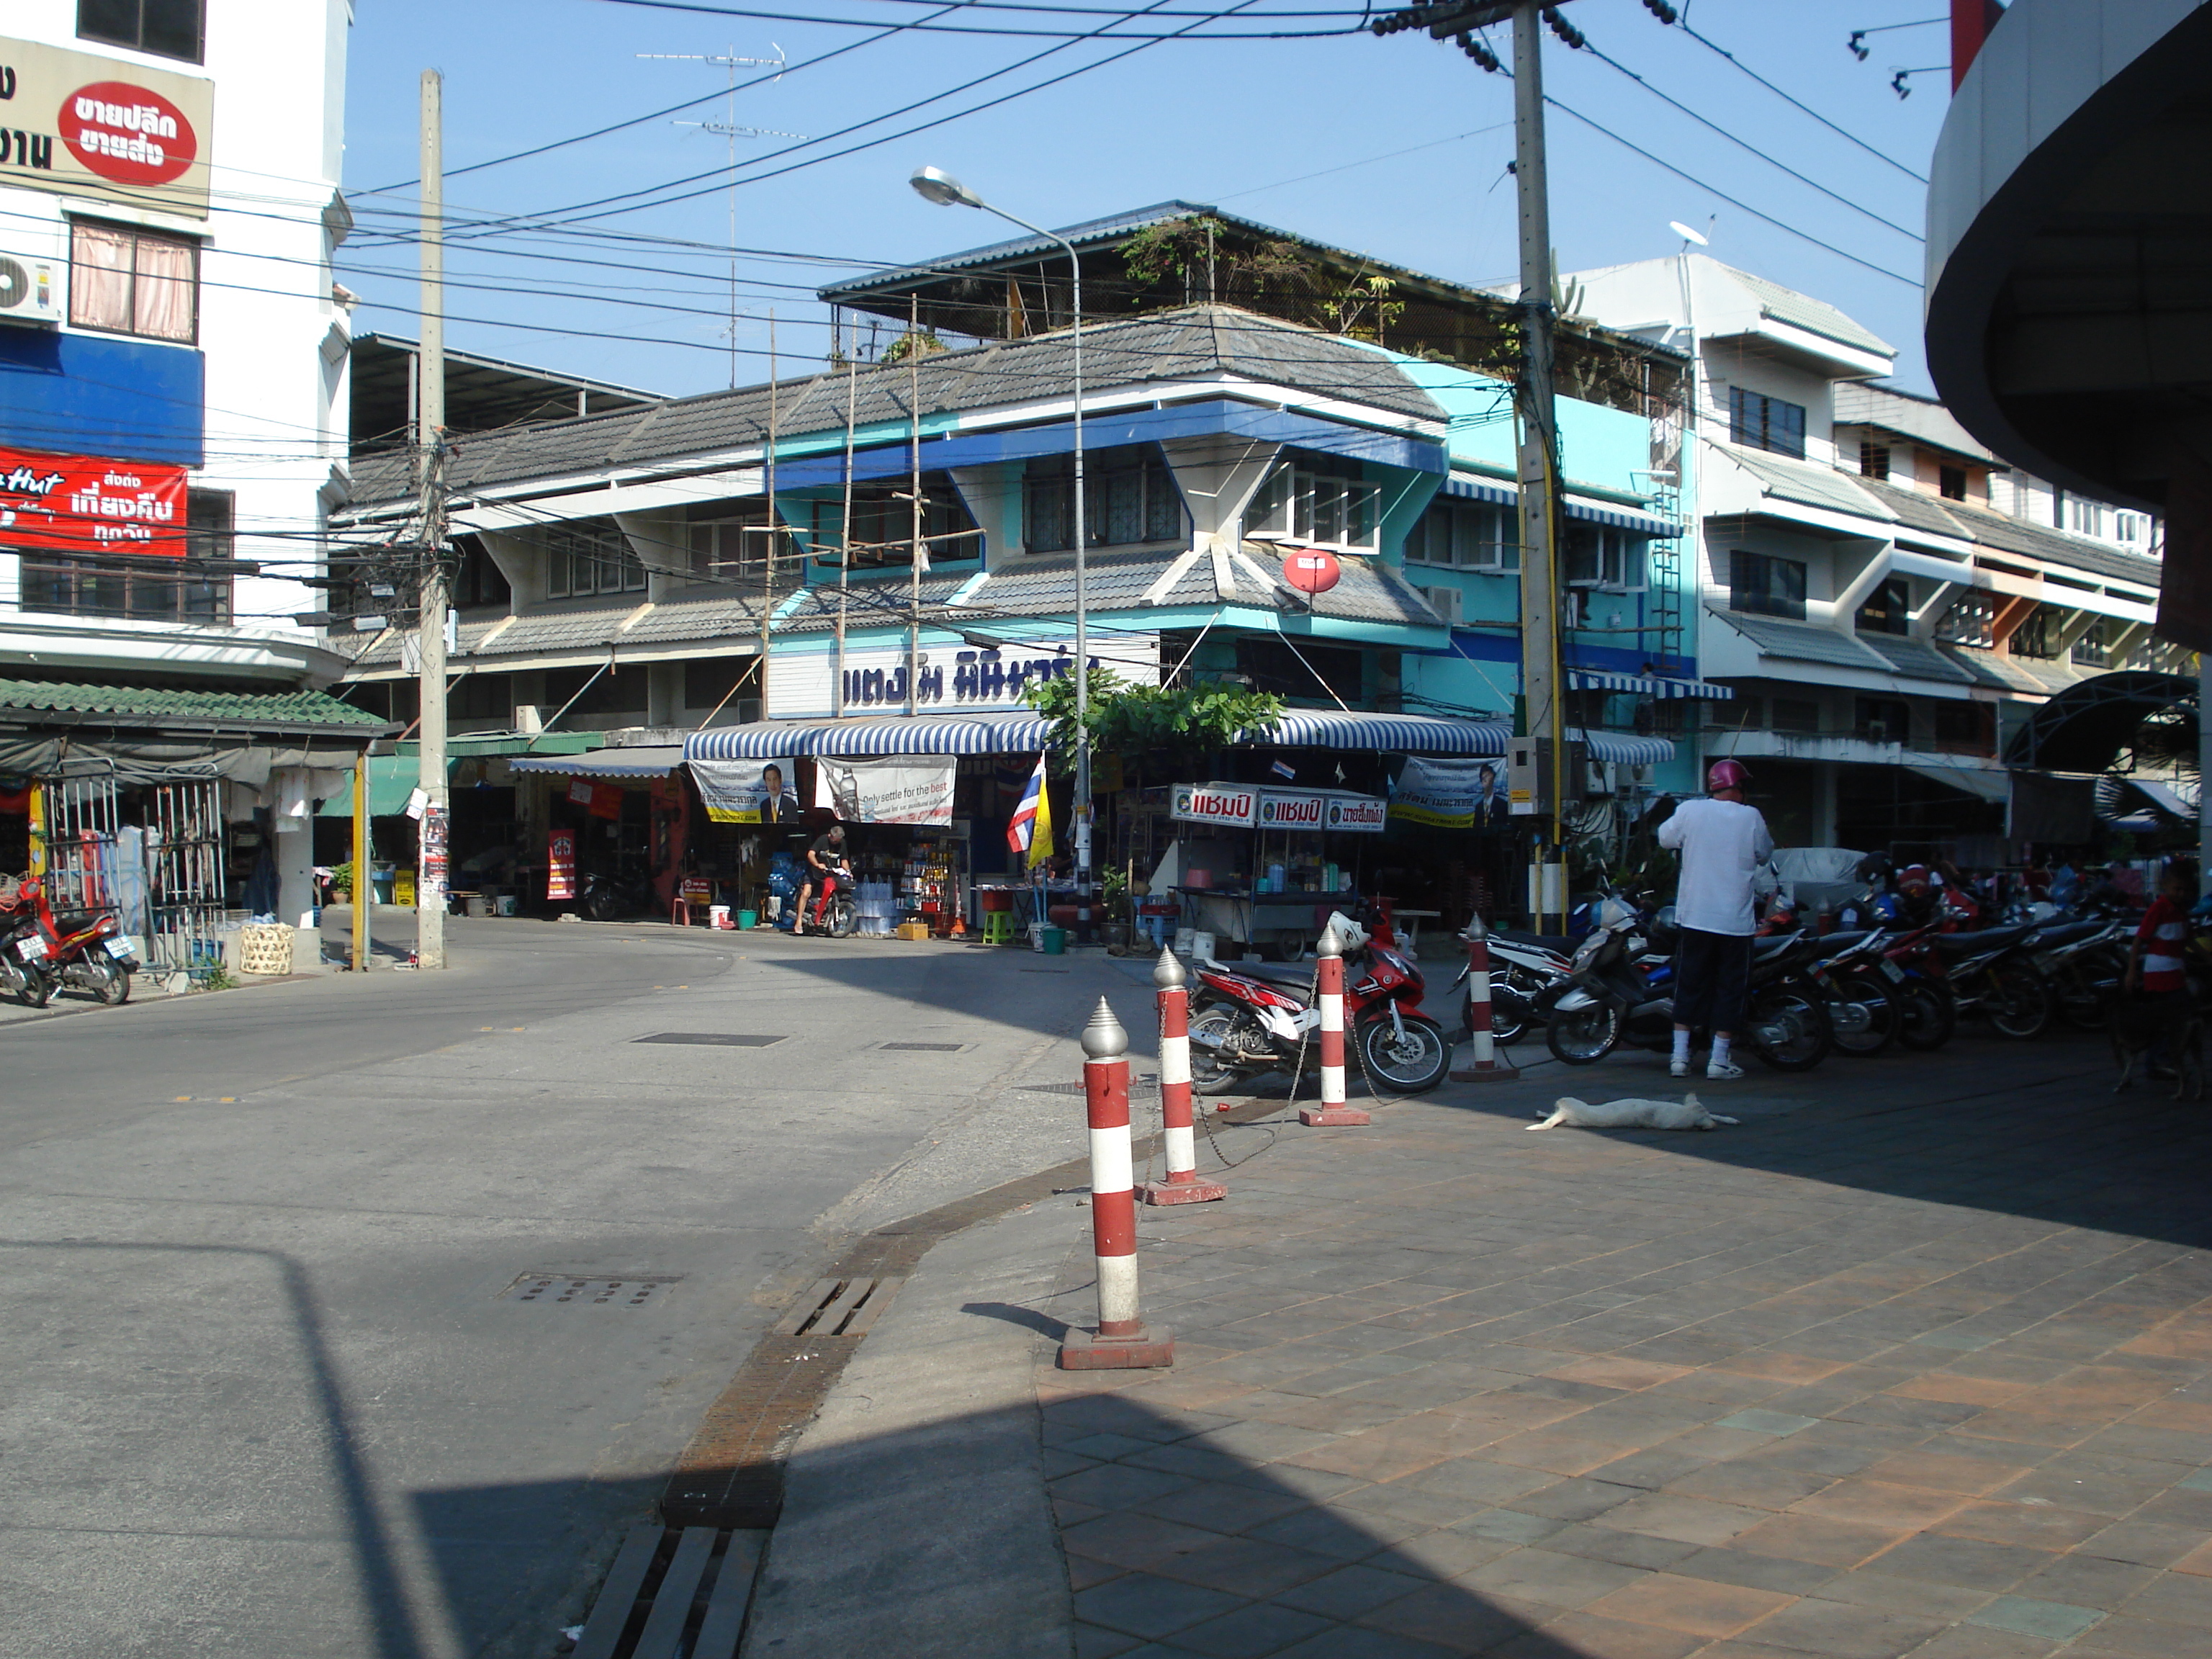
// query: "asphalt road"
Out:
[266,1384]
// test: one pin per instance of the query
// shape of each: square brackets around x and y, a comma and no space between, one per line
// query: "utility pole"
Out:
[430,624]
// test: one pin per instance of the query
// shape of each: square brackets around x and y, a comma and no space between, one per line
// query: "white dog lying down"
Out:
[1686,1114]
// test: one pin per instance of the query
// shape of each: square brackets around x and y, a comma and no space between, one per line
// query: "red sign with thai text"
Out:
[561,865]
[127,132]
[83,504]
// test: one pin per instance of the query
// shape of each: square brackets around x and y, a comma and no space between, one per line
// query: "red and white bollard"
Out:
[1120,1343]
[1178,1139]
[1329,993]
[1486,1067]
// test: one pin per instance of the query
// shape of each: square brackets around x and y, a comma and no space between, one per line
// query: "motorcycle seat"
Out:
[1293,976]
[1836,944]
[1554,943]
[1774,945]
[1973,944]
[2051,936]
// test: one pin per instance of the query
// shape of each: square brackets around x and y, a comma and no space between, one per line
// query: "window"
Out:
[1597,556]
[165,28]
[1312,502]
[134,281]
[1759,421]
[1311,672]
[476,580]
[2133,528]
[1970,620]
[1888,608]
[1951,482]
[617,691]
[1800,716]
[2039,635]
[477,696]
[1128,497]
[588,556]
[1965,728]
[1882,720]
[713,682]
[1763,586]
[883,531]
[2090,650]
[1874,460]
[196,588]
[1469,535]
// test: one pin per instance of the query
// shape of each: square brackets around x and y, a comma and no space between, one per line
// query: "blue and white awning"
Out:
[1399,734]
[1648,686]
[1461,488]
[1623,749]
[912,734]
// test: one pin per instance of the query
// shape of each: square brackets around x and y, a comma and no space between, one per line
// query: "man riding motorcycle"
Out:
[823,858]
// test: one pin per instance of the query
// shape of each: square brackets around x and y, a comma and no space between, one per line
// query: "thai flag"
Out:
[1032,814]
[1283,769]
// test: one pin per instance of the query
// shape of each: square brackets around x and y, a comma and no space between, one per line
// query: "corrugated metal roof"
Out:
[1913,657]
[151,703]
[2059,547]
[1913,508]
[1988,668]
[1803,643]
[1786,305]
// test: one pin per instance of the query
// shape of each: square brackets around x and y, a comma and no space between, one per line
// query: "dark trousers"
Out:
[1710,973]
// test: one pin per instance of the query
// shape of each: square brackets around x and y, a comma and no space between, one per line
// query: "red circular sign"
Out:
[127,133]
[1310,570]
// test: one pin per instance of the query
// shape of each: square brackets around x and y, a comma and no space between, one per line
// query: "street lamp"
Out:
[935,185]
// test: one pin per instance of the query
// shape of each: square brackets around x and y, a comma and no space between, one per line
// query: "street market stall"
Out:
[1254,866]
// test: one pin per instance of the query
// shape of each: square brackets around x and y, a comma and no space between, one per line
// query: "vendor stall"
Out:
[1254,866]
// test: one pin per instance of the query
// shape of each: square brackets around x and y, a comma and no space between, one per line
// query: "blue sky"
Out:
[1242,124]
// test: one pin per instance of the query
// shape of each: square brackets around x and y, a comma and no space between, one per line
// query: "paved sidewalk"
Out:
[1914,1361]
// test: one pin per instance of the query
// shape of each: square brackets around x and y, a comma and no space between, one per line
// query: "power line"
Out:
[1387,156]
[1355,27]
[1846,132]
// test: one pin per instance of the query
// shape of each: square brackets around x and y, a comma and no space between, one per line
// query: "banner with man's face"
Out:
[748,791]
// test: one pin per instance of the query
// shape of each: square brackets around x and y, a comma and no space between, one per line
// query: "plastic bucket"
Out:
[748,920]
[503,905]
[717,916]
[1053,941]
[479,907]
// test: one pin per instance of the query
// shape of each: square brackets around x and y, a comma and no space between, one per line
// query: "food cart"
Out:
[1251,867]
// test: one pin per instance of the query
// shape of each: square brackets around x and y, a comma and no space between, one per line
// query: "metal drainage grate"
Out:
[1076,1088]
[839,1307]
[549,1288]
[713,1039]
[674,1591]
[924,1047]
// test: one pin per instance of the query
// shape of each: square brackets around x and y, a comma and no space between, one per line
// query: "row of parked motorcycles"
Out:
[1811,993]
[41,953]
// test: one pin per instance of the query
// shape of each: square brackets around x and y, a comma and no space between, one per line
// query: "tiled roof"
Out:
[1915,658]
[161,704]
[1988,668]
[1803,643]
[1198,340]
[2059,547]
[1913,508]
[1786,305]
[1807,484]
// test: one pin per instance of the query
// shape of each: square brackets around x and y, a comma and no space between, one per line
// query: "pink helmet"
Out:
[1727,774]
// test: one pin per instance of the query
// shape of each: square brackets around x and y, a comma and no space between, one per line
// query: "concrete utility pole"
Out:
[1541,703]
[430,626]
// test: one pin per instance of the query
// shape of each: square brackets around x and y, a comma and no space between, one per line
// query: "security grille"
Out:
[185,877]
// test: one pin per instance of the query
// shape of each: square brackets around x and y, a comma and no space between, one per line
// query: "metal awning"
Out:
[1460,487]
[651,761]
[1623,749]
[1649,685]
[1985,783]
[905,734]
[1401,734]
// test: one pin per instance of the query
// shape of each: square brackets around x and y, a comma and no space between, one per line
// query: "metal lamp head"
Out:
[936,184]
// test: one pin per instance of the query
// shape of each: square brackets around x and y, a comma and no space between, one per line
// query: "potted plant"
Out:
[341,882]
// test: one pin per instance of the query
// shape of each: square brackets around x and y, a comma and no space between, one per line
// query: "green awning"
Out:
[392,779]
[155,705]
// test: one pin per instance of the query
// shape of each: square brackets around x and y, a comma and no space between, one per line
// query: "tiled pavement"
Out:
[1914,1362]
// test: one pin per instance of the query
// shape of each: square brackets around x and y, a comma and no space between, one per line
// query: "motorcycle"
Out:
[1616,993]
[1992,972]
[1522,967]
[834,912]
[2082,963]
[21,975]
[610,898]
[1258,1017]
[90,951]
[1927,1013]
[1860,984]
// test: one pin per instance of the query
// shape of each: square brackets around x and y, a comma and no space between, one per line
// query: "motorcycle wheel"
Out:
[110,984]
[601,905]
[1412,1064]
[2081,1003]
[1801,1023]
[2017,1004]
[1583,1036]
[843,919]
[1873,994]
[1927,1016]
[37,988]
[1506,1029]
[1209,1073]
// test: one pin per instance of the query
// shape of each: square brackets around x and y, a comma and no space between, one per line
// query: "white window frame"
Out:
[613,563]
[1476,536]
[1620,565]
[1296,504]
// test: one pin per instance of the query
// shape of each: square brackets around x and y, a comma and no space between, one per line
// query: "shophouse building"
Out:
[1889,600]
[173,385]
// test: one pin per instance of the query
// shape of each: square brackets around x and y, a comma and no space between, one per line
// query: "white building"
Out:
[1888,599]
[173,429]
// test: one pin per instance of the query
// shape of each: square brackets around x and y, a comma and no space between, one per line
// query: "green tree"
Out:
[1165,725]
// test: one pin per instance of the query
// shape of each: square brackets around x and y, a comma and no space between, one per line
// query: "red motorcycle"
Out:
[833,911]
[1258,1017]
[89,950]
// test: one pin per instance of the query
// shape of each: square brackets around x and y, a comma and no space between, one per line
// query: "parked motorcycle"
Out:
[85,949]
[1927,1013]
[610,898]
[1522,966]
[21,974]
[1256,1019]
[833,911]
[2082,963]
[1860,984]
[1992,974]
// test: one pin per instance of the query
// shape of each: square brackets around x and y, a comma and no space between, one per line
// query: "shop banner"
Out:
[1232,803]
[1449,794]
[906,789]
[561,865]
[81,504]
[104,130]
[1357,815]
[945,680]
[1292,809]
[748,791]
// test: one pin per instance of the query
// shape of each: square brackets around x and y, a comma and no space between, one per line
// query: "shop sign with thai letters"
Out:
[945,680]
[104,130]
[1361,815]
[1234,804]
[1291,809]
[81,504]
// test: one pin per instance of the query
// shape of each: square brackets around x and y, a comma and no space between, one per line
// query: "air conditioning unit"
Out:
[30,290]
[529,717]
[1446,602]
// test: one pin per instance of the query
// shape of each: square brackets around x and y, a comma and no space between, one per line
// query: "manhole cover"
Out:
[925,1047]
[713,1039]
[548,1289]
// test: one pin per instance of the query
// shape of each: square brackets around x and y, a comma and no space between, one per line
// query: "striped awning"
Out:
[654,761]
[1649,685]
[1399,734]
[1461,488]
[1623,749]
[905,734]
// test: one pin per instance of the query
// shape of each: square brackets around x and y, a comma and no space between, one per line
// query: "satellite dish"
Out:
[1687,234]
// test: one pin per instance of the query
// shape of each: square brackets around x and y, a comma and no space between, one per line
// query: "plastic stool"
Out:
[997,928]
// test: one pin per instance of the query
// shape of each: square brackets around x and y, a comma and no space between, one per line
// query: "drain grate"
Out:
[713,1039]
[548,1289]
[839,1307]
[674,1591]
[924,1047]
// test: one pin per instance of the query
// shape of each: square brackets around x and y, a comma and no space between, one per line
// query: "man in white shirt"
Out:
[1722,842]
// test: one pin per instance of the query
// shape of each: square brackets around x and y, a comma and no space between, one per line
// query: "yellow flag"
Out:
[1041,847]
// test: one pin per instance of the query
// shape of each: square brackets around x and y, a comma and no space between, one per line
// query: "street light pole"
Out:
[935,185]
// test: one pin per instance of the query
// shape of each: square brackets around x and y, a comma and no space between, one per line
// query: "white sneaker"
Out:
[1721,1071]
[1678,1069]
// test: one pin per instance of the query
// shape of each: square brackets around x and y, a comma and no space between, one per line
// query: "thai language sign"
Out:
[1232,803]
[874,679]
[104,129]
[81,504]
[1451,794]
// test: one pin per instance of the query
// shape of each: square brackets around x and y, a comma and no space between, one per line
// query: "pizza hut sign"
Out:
[1227,804]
